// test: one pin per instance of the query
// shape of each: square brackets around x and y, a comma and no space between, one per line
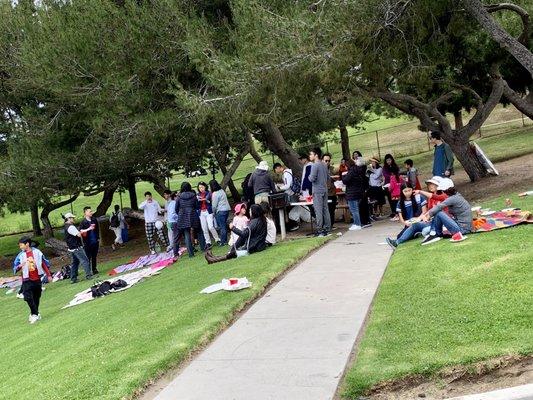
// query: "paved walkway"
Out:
[294,342]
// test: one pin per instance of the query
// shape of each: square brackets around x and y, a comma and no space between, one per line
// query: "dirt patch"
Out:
[482,377]
[515,176]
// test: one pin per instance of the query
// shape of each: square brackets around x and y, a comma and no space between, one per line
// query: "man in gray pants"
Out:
[319,178]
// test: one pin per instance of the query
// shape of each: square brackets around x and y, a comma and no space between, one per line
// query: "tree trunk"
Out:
[253,152]
[133,193]
[458,119]
[523,104]
[36,225]
[107,199]
[345,142]
[508,42]
[228,173]
[276,144]
[48,230]
[235,194]
[465,154]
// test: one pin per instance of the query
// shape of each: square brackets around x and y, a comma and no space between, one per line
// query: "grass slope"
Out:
[110,347]
[447,304]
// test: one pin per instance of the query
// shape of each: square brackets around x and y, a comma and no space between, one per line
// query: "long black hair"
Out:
[256,212]
[214,186]
[186,187]
[392,165]
[204,185]
[403,199]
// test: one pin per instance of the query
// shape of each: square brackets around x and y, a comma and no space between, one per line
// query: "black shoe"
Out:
[392,243]
[74,281]
[431,239]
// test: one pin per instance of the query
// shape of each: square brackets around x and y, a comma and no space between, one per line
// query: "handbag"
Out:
[244,253]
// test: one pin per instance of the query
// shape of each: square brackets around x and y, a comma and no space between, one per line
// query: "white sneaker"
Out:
[43,288]
[34,319]
[355,228]
[152,253]
[29,318]
[20,296]
[39,316]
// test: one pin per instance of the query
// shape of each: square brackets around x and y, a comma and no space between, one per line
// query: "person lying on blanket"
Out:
[458,222]
[409,209]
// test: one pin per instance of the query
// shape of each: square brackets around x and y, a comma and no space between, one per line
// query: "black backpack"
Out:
[115,221]
[101,289]
[296,185]
[65,272]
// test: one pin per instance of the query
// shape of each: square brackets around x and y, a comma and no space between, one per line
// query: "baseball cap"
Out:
[445,184]
[435,180]
[69,215]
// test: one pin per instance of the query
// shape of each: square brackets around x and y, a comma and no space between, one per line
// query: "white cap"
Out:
[445,184]
[437,180]
[263,165]
[69,215]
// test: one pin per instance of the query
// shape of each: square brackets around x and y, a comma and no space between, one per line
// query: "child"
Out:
[410,207]
[412,175]
[240,221]
[33,265]
[271,227]
[434,195]
[395,183]
[458,222]
[375,190]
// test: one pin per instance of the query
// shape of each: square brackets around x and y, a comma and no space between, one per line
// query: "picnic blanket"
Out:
[131,279]
[10,282]
[500,220]
[148,260]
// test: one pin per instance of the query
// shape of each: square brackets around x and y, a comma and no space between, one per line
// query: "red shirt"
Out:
[203,202]
[436,199]
[33,273]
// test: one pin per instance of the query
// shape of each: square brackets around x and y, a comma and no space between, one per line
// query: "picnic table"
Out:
[303,203]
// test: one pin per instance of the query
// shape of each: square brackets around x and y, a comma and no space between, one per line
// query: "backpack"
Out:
[101,289]
[65,272]
[296,185]
[115,221]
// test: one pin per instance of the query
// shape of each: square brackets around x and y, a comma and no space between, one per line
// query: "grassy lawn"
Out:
[438,307]
[110,347]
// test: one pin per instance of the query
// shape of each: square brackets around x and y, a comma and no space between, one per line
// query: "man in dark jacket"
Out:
[354,180]
[90,230]
[262,183]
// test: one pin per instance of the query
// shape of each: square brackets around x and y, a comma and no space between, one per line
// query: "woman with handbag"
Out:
[251,239]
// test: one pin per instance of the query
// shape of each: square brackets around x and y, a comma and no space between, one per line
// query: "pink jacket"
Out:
[395,186]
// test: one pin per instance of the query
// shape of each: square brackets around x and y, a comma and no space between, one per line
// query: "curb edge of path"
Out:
[353,353]
[149,390]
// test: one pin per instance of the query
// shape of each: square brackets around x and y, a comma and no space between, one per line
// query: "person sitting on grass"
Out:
[271,226]
[240,221]
[410,207]
[251,240]
[32,263]
[435,194]
[458,222]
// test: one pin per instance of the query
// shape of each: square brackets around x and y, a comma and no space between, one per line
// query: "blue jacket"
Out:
[207,200]
[19,263]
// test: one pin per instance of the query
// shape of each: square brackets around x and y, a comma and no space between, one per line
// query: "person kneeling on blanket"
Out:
[409,209]
[251,240]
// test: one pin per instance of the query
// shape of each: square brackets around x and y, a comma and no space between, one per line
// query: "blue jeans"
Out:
[79,257]
[222,222]
[353,205]
[441,219]
[409,233]
[188,240]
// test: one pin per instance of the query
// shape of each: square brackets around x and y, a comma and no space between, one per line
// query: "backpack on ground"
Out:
[101,289]
[65,272]
[115,221]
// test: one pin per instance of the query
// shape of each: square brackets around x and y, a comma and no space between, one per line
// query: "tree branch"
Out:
[520,52]
[523,14]
[520,103]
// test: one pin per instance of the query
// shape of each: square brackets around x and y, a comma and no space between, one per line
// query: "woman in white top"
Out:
[375,191]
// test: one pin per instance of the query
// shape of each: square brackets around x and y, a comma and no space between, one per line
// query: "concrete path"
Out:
[524,392]
[295,341]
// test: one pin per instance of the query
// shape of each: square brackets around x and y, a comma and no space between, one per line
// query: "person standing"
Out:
[375,190]
[32,264]
[442,156]
[90,231]
[117,223]
[169,204]
[319,178]
[332,191]
[75,248]
[354,193]
[389,166]
[261,182]
[221,209]
[207,219]
[307,186]
[188,218]
[152,224]
[172,223]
